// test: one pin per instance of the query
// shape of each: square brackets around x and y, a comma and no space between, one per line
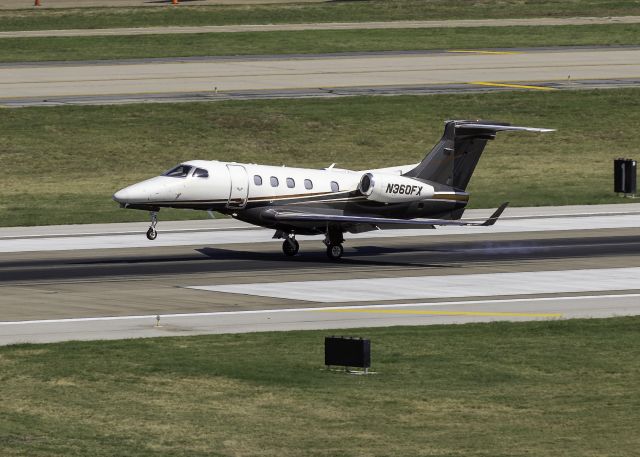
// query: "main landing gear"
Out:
[290,246]
[333,241]
[334,251]
[152,233]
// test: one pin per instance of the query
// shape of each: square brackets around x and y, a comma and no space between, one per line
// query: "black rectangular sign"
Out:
[348,352]
[624,176]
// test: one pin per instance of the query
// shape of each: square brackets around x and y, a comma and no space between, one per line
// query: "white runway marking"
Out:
[418,287]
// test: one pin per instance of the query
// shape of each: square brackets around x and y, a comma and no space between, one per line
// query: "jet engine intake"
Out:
[393,189]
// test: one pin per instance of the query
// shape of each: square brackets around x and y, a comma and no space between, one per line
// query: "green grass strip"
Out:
[565,388]
[317,41]
[63,164]
[336,11]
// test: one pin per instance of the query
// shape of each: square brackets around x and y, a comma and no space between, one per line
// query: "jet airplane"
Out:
[330,201]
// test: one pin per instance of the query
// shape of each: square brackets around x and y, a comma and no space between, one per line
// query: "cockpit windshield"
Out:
[181,171]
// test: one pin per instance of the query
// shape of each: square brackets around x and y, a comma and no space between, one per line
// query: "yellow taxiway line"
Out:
[515,86]
[440,313]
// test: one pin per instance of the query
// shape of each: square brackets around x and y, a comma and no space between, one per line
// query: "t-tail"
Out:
[453,160]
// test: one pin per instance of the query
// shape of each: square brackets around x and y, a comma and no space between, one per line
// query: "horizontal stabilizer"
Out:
[503,128]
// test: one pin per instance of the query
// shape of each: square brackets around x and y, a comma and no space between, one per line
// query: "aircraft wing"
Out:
[291,216]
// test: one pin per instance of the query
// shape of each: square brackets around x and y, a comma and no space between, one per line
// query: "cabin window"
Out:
[308,184]
[257,180]
[201,173]
[334,186]
[181,171]
[274,182]
[291,183]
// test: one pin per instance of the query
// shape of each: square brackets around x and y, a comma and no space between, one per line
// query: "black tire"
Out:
[290,247]
[152,234]
[335,251]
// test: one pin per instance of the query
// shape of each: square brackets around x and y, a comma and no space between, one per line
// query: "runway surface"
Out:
[539,263]
[463,23]
[149,80]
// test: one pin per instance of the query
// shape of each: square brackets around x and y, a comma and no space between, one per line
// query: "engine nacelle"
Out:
[393,189]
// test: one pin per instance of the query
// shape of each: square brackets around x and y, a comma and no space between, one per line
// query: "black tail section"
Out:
[453,160]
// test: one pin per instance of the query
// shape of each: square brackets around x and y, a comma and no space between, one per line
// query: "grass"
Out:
[566,388]
[316,41]
[335,11]
[61,165]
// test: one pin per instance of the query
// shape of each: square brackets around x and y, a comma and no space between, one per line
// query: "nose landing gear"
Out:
[152,233]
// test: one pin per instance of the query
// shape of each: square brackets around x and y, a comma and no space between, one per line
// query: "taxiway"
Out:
[388,73]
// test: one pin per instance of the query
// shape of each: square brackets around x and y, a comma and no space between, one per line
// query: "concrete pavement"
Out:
[375,69]
[456,312]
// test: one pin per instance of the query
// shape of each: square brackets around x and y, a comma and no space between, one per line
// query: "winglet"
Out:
[496,214]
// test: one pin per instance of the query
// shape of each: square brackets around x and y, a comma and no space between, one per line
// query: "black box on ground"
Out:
[347,352]
[624,176]
[630,170]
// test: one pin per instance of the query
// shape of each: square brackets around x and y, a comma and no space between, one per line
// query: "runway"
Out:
[332,75]
[539,263]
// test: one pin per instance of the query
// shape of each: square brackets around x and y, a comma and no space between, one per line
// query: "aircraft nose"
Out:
[131,194]
[121,196]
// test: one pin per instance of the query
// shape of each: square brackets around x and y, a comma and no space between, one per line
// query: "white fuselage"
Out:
[232,185]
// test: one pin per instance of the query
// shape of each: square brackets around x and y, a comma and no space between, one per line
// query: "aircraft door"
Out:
[239,191]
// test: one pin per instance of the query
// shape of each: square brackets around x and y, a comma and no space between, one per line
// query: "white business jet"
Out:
[329,201]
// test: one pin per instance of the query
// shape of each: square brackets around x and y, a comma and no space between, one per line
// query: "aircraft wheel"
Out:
[334,251]
[152,234]
[290,247]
